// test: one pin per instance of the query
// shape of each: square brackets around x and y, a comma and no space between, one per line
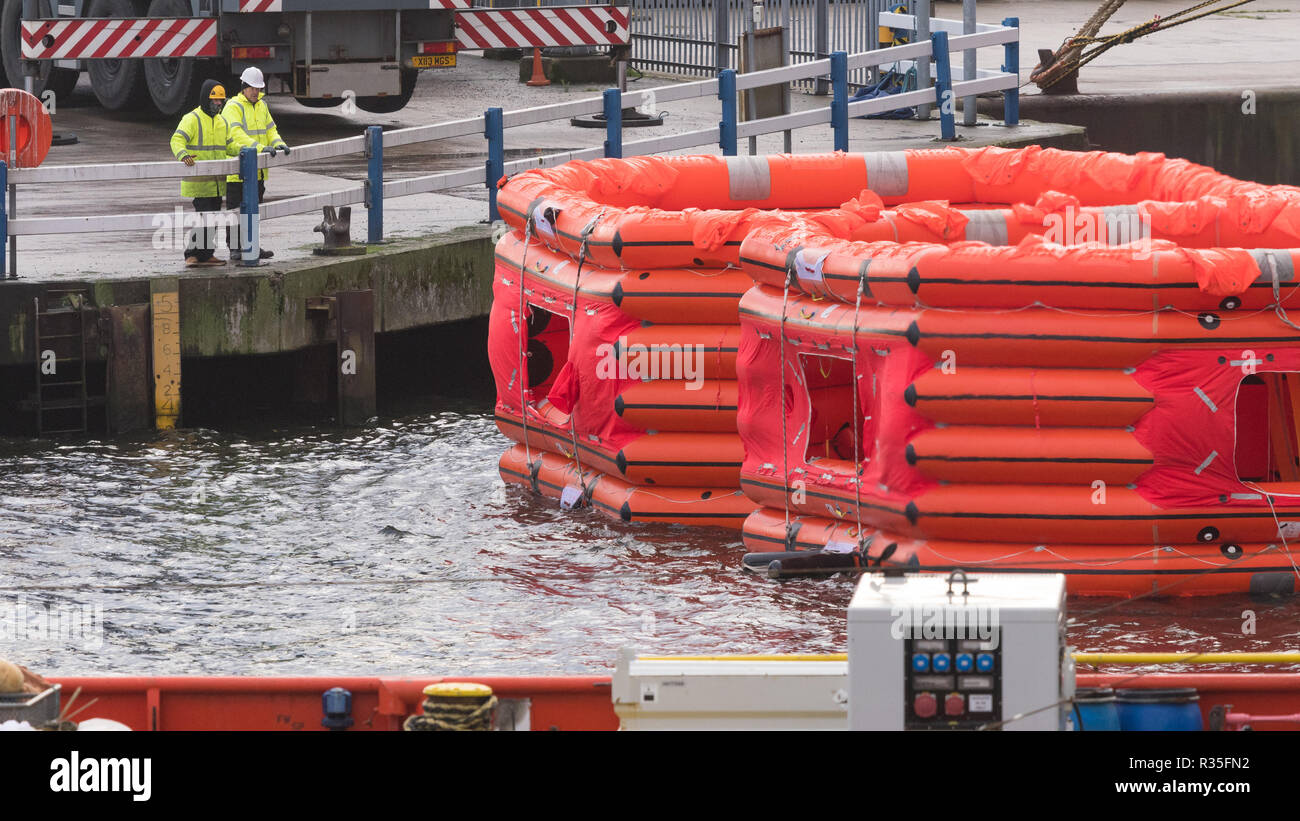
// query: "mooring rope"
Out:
[785,441]
[573,323]
[1071,56]
[456,717]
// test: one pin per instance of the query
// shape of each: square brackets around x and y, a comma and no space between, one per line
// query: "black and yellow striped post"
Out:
[165,323]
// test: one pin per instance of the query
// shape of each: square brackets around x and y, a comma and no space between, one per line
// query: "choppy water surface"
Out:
[397,550]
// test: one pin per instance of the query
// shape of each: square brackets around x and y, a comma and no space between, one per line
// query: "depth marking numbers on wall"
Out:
[166,321]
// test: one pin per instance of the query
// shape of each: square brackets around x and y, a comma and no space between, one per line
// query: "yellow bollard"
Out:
[454,705]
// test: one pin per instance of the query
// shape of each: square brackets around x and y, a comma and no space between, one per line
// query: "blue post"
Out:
[4,222]
[495,131]
[613,122]
[1011,97]
[727,128]
[375,184]
[840,99]
[943,86]
[251,249]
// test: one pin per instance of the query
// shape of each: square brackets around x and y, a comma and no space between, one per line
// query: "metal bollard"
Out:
[1011,97]
[613,99]
[375,184]
[251,249]
[840,99]
[943,86]
[727,128]
[494,130]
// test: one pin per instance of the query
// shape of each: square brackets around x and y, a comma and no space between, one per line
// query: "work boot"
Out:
[213,262]
[266,254]
[192,262]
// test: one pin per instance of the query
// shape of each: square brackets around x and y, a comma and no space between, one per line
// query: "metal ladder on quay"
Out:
[61,402]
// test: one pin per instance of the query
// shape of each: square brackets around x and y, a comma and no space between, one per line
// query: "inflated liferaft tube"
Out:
[1196,569]
[691,210]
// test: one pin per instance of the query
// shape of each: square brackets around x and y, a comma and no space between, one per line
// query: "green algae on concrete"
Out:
[418,282]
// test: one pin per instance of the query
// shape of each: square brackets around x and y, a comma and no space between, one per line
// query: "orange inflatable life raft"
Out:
[981,353]
[549,474]
[1127,406]
[693,296]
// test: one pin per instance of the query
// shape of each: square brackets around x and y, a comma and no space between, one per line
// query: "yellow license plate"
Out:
[434,61]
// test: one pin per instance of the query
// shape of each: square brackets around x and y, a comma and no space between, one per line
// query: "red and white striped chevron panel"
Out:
[542,27]
[450,4]
[260,5]
[102,38]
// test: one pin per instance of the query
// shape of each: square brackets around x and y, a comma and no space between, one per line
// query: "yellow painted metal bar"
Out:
[1187,658]
[1080,658]
[165,319]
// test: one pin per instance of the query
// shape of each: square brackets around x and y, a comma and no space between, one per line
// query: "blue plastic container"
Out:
[1095,709]
[1176,708]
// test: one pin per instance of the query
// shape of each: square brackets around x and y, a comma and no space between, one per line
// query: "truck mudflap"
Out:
[95,38]
[542,27]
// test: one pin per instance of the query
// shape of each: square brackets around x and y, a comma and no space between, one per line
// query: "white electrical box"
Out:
[731,692]
[930,652]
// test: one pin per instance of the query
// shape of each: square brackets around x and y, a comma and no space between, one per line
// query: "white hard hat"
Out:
[252,76]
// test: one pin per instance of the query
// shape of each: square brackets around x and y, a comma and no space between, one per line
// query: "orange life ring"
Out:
[33,131]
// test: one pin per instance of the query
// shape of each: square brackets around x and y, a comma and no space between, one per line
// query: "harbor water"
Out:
[396,549]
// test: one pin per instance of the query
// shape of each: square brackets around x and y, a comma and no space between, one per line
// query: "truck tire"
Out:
[320,102]
[174,84]
[390,103]
[59,80]
[119,85]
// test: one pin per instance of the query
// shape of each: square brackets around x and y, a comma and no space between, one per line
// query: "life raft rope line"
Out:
[1277,291]
[785,441]
[854,393]
[1268,497]
[523,347]
[573,323]
[1190,577]
[896,564]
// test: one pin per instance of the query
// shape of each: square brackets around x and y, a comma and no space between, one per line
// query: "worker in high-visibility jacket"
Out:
[251,124]
[203,134]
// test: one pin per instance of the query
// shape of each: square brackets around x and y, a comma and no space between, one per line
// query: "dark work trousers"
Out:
[235,196]
[202,241]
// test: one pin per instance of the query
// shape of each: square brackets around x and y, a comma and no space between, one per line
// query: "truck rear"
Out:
[141,53]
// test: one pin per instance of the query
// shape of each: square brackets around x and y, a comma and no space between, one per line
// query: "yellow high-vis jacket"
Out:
[251,124]
[205,138]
